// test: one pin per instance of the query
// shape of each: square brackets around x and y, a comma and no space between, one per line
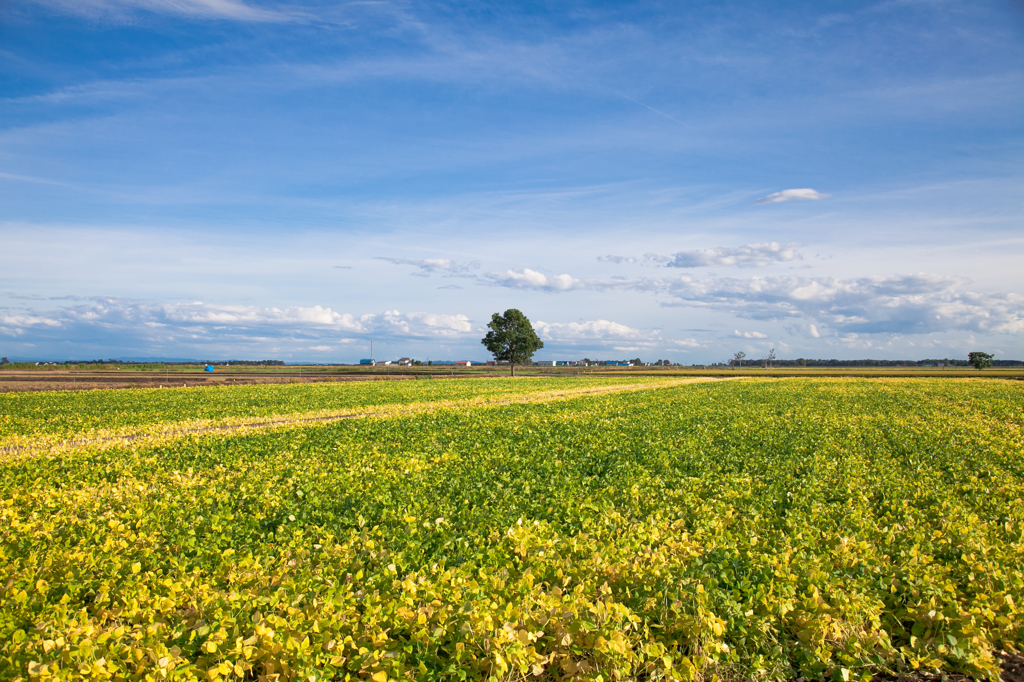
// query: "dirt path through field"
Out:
[170,431]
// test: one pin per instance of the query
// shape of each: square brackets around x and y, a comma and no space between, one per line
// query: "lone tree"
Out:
[738,359]
[511,338]
[770,358]
[980,360]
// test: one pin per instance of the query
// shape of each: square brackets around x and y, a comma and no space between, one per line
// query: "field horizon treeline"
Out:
[752,361]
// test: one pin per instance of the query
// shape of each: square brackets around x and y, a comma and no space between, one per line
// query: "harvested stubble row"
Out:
[750,530]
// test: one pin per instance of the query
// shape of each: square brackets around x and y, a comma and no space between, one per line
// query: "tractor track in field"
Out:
[416,408]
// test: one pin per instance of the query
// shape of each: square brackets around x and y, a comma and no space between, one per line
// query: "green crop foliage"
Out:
[756,529]
[77,413]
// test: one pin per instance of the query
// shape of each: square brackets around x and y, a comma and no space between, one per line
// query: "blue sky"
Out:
[228,179]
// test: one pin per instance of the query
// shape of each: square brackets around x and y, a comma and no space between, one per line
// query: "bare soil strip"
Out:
[181,429]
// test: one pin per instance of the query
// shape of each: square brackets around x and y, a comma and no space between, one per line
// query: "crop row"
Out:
[75,413]
[751,530]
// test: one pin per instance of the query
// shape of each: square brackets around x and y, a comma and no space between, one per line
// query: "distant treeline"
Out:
[944,362]
[130,364]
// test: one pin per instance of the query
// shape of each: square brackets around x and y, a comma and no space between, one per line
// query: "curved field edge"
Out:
[749,530]
[394,403]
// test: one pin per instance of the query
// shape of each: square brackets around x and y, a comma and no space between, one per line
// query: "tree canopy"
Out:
[511,338]
[980,360]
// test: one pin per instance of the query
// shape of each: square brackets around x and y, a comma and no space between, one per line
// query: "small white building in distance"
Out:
[463,363]
[544,363]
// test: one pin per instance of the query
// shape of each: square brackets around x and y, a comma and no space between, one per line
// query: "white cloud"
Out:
[531,279]
[593,329]
[792,195]
[424,324]
[749,335]
[27,320]
[15,325]
[196,9]
[234,315]
[597,332]
[148,326]
[432,266]
[746,256]
[901,304]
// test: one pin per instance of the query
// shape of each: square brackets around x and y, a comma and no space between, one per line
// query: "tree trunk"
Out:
[512,368]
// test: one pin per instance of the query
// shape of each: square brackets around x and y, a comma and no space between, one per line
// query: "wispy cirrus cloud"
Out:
[805,194]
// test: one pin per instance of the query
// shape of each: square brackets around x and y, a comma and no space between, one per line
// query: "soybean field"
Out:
[528,529]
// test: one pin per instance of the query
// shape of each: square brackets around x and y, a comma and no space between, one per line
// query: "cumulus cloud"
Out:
[593,329]
[805,194]
[423,324]
[593,333]
[234,315]
[531,279]
[749,335]
[145,327]
[901,304]
[616,259]
[434,266]
[16,324]
[746,256]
